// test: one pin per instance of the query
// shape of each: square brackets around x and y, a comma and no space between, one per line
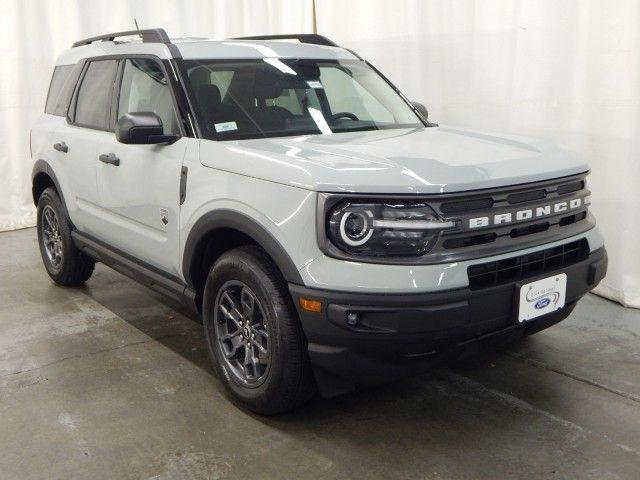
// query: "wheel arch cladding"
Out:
[42,177]
[216,232]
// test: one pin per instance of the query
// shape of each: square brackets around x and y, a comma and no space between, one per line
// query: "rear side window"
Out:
[93,104]
[58,99]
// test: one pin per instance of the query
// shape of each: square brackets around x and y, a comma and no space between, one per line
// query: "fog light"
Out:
[310,305]
[352,319]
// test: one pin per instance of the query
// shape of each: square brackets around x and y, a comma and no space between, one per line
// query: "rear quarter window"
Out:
[60,90]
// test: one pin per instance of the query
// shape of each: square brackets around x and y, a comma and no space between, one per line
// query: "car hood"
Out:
[423,160]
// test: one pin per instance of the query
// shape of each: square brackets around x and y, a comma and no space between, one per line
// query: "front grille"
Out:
[469,240]
[525,266]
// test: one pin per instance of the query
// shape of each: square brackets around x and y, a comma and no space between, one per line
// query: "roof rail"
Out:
[301,37]
[152,35]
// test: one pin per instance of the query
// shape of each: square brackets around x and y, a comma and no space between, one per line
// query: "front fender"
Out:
[226,218]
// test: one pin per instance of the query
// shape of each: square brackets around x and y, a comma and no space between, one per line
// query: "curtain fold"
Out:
[565,71]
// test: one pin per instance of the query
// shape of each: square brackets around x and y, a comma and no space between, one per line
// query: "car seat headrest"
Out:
[199,76]
[267,85]
[209,95]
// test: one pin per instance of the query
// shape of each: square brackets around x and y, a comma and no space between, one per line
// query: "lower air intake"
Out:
[525,266]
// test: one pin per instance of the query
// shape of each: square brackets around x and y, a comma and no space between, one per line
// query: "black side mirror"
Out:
[424,113]
[142,128]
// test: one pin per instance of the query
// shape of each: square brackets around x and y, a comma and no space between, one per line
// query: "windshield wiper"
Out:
[355,129]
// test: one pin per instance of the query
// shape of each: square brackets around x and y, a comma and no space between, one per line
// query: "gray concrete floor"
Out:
[110,381]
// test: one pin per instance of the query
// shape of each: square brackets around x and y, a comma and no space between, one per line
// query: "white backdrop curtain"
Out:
[568,71]
[34,32]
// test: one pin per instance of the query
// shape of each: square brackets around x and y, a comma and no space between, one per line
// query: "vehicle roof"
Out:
[197,48]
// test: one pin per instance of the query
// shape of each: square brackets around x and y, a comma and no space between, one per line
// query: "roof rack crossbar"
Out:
[153,35]
[301,37]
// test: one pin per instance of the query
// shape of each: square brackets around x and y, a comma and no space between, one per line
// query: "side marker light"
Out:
[310,305]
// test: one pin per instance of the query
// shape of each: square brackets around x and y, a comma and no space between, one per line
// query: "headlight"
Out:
[390,229]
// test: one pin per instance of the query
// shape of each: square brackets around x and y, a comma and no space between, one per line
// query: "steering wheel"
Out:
[339,115]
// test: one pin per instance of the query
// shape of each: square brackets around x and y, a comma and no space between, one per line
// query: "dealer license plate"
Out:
[542,296]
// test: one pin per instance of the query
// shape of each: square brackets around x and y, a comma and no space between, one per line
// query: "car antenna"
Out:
[137,27]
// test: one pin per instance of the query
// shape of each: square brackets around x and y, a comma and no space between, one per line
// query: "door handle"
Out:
[110,159]
[61,147]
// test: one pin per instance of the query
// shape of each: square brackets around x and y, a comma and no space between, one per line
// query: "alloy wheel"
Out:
[51,237]
[241,333]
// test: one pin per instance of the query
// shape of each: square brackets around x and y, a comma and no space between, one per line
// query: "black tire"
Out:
[287,381]
[72,267]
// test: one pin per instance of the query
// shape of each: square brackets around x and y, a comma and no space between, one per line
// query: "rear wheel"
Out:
[64,262]
[253,333]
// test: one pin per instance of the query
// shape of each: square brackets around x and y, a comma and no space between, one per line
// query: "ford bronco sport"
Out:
[281,186]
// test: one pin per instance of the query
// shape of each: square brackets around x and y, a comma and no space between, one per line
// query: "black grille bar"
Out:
[525,266]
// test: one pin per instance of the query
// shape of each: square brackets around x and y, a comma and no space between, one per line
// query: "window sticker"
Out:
[314,84]
[225,127]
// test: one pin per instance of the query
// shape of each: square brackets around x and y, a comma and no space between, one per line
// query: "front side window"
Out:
[277,97]
[93,104]
[144,89]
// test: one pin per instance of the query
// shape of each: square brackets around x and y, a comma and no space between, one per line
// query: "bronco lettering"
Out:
[529,213]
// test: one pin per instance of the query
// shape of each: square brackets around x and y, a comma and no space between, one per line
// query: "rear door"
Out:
[87,125]
[140,197]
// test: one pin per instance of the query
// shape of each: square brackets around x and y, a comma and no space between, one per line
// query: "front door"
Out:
[139,196]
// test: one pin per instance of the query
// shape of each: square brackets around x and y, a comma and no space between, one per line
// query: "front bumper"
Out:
[398,335]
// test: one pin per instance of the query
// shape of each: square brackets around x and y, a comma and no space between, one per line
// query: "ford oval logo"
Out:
[543,302]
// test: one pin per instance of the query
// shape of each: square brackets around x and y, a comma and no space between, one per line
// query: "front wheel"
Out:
[253,333]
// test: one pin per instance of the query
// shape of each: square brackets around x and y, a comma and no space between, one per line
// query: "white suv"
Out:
[329,235]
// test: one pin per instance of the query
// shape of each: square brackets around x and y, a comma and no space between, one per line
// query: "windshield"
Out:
[272,97]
